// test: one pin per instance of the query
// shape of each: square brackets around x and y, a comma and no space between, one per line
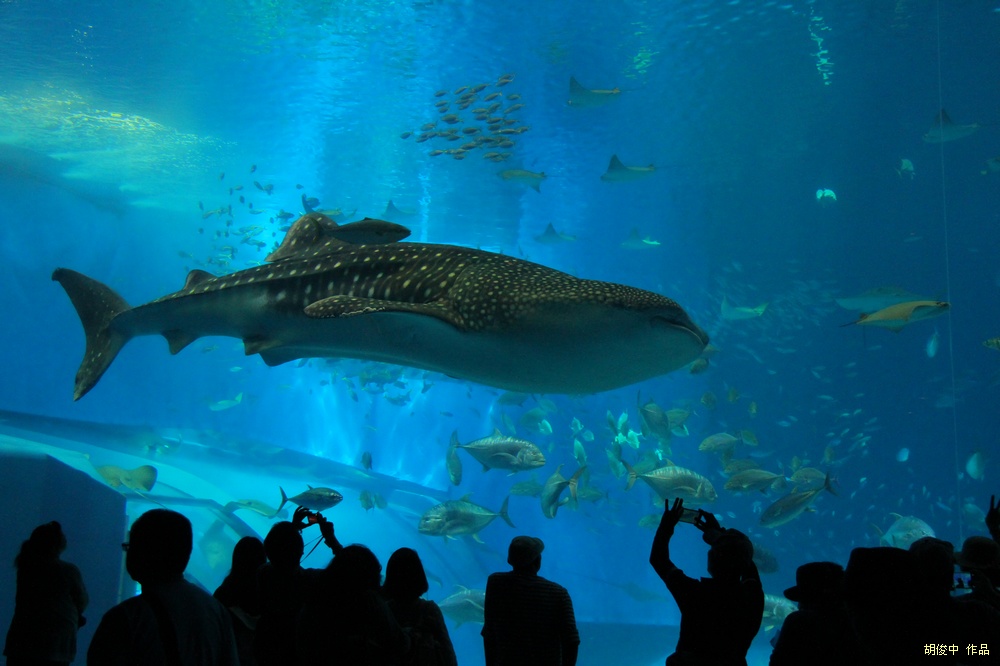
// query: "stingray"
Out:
[619,173]
[585,97]
[394,213]
[876,299]
[24,164]
[945,130]
[551,237]
[895,317]
[469,314]
[637,242]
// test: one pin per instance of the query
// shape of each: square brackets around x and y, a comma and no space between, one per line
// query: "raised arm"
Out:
[659,555]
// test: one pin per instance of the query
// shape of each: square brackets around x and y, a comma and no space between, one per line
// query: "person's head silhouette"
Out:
[159,546]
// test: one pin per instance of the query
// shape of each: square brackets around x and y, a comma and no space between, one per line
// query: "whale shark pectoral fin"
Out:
[352,306]
[178,340]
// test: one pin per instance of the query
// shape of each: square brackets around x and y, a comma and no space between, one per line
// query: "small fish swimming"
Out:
[366,460]
[905,169]
[470,314]
[945,130]
[732,312]
[619,173]
[524,177]
[226,404]
[933,343]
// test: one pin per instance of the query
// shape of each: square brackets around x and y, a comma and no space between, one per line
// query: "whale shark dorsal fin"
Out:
[616,164]
[575,87]
[196,277]
[943,119]
[303,236]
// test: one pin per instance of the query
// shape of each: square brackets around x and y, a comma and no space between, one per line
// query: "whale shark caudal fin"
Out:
[96,304]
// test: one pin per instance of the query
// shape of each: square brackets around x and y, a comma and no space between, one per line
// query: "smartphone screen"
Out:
[689,515]
[962,583]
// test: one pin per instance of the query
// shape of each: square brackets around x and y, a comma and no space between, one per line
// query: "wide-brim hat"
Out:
[979,552]
[816,579]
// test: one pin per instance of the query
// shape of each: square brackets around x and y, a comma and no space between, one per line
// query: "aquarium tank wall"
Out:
[732,252]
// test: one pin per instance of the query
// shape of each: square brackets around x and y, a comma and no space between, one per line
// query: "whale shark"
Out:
[470,314]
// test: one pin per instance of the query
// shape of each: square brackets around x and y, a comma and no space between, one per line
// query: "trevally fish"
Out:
[471,314]
[554,487]
[904,531]
[458,517]
[465,605]
[497,451]
[792,505]
[675,482]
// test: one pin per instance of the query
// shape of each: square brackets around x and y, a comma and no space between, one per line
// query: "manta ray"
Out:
[470,314]
[945,130]
[618,173]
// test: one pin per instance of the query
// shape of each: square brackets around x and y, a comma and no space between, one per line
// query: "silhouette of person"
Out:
[284,585]
[820,632]
[49,602]
[980,556]
[528,620]
[731,602]
[238,593]
[345,621]
[172,621]
[405,582]
[993,519]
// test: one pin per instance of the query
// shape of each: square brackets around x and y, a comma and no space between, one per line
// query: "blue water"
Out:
[745,109]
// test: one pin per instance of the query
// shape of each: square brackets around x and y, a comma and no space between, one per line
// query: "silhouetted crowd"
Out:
[888,607]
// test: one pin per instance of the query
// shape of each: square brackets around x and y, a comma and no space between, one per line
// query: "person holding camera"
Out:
[284,586]
[720,615]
